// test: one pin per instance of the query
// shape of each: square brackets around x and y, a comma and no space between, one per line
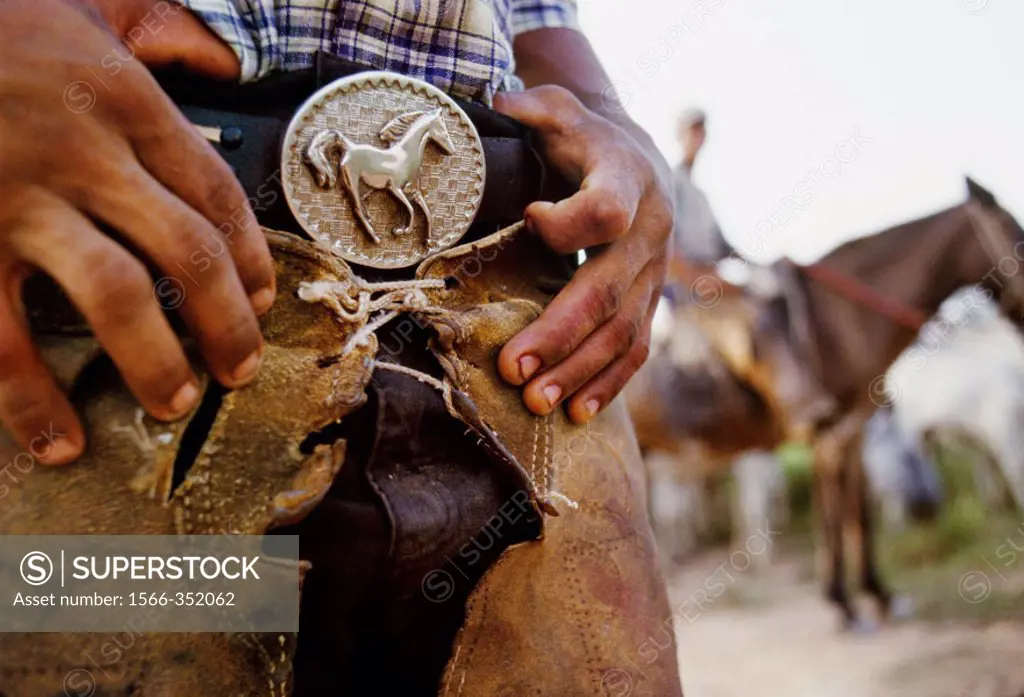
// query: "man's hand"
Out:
[595,334]
[101,176]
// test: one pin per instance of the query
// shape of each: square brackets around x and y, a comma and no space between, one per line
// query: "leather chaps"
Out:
[459,545]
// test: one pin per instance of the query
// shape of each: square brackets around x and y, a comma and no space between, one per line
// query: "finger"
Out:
[610,341]
[200,275]
[600,391]
[602,211]
[588,149]
[589,299]
[172,150]
[33,410]
[552,110]
[114,292]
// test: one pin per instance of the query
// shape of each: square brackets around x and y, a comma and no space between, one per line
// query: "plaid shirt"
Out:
[464,47]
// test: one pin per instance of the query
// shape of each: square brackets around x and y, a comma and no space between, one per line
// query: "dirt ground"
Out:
[770,634]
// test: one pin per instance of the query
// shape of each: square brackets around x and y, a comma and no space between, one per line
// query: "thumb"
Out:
[161,33]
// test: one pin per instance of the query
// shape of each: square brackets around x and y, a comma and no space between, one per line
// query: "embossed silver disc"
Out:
[383,169]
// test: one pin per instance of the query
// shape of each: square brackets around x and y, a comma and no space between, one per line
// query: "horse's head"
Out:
[438,132]
[1000,241]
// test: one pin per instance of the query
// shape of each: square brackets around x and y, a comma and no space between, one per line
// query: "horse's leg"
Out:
[352,187]
[827,493]
[417,198]
[871,579]
[890,606]
[831,452]
[856,521]
[400,195]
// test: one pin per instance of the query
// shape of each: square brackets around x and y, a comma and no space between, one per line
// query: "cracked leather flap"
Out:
[247,471]
[487,300]
[567,614]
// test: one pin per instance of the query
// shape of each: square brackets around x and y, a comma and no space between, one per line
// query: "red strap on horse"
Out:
[856,290]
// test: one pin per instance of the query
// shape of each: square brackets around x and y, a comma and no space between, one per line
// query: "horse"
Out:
[394,169]
[863,305]
[844,320]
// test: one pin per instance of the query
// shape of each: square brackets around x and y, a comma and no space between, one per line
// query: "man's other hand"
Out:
[595,334]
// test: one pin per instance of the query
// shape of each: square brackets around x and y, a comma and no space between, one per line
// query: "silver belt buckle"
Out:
[383,169]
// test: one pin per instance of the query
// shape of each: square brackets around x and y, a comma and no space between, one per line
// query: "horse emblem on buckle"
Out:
[383,169]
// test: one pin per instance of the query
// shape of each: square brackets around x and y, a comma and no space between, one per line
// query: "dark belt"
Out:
[252,119]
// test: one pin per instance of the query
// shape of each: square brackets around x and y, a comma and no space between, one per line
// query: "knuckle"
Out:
[97,173]
[609,216]
[120,286]
[566,113]
[142,110]
[600,302]
[559,97]
[224,194]
[624,332]
[563,344]
[202,249]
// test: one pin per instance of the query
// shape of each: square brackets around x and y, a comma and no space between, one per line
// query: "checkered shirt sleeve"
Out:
[528,15]
[464,47]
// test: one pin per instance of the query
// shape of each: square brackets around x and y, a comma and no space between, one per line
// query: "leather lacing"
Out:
[370,306]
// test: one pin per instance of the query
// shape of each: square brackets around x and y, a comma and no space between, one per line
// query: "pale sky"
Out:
[931,90]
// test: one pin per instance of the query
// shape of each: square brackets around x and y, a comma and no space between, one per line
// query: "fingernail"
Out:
[552,393]
[246,369]
[184,399]
[591,406]
[528,365]
[262,300]
[60,452]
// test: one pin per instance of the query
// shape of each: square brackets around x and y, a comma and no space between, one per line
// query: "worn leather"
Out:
[564,615]
[567,613]
[249,475]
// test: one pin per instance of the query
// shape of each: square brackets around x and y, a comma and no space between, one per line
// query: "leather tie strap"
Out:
[853,289]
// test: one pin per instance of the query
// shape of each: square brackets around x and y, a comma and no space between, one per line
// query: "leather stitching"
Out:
[549,436]
[533,455]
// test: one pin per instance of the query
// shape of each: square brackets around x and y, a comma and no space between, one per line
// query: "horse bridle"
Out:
[851,288]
